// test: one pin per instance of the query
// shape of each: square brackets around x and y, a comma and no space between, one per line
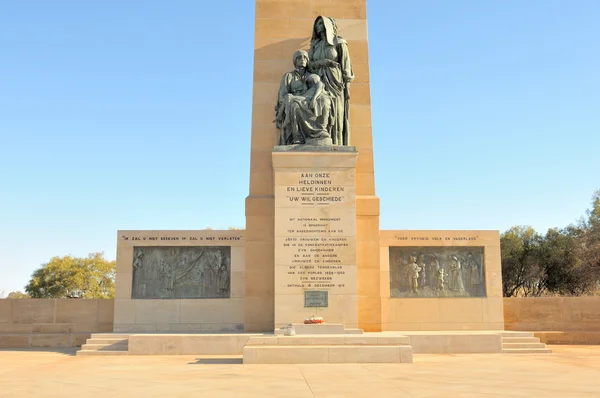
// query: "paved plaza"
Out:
[570,371]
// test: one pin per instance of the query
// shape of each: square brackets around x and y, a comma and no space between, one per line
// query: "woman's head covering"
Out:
[299,54]
[330,29]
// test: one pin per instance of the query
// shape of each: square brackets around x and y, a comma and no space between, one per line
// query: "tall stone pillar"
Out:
[281,28]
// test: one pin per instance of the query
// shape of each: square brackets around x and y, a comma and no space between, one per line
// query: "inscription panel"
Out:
[437,271]
[293,279]
[315,237]
[317,198]
[316,299]
[181,272]
[311,221]
[315,189]
[339,250]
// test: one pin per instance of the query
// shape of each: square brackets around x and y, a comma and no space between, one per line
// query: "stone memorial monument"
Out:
[312,250]
[315,195]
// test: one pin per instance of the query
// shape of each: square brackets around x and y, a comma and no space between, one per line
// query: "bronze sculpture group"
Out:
[313,102]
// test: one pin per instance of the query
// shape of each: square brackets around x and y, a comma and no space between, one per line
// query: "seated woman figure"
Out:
[307,115]
[304,107]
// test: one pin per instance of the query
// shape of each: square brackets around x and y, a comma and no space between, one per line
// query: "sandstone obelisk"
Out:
[281,28]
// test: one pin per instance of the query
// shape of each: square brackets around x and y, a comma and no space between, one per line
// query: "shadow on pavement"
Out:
[217,361]
[70,351]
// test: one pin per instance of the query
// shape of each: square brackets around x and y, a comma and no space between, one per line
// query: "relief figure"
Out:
[456,281]
[223,278]
[440,279]
[423,280]
[405,275]
[137,261]
[432,270]
[166,278]
[473,272]
[414,275]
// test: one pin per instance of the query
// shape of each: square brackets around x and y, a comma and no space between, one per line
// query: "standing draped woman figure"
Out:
[330,59]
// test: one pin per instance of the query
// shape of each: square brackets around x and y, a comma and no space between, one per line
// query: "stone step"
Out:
[517,334]
[520,340]
[86,352]
[328,340]
[104,347]
[289,354]
[526,351]
[109,336]
[106,341]
[353,331]
[323,328]
[294,346]
[523,345]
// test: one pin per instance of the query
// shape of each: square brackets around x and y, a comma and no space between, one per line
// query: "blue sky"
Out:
[136,115]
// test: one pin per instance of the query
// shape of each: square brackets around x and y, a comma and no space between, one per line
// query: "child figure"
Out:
[440,279]
[316,89]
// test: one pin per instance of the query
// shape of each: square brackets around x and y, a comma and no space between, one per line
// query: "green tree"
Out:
[564,261]
[18,295]
[594,212]
[74,277]
[558,256]
[589,243]
[521,271]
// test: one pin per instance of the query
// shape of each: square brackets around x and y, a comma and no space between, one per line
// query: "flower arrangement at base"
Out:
[314,320]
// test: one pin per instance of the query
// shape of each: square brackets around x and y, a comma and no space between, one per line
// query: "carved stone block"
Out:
[181,272]
[437,271]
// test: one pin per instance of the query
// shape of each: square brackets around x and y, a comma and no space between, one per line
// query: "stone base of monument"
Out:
[319,141]
[323,328]
[317,347]
[332,348]
[314,147]
[187,344]
[473,342]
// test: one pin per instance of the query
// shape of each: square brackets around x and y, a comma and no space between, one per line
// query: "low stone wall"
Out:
[69,322]
[53,322]
[555,320]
